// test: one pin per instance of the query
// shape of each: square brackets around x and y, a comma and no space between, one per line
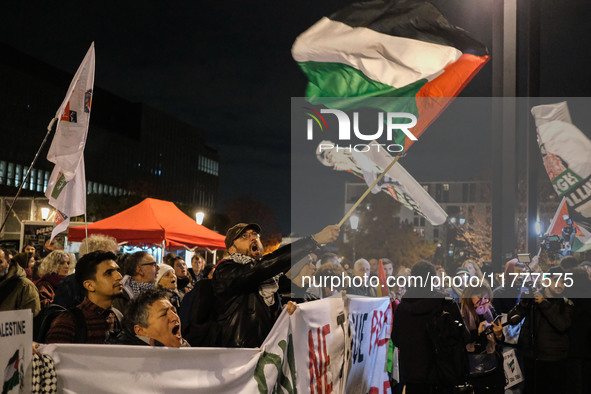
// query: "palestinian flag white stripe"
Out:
[391,60]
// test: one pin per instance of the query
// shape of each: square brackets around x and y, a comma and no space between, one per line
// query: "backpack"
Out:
[42,322]
[196,314]
[448,338]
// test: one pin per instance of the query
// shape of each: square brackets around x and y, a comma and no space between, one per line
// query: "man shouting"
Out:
[245,284]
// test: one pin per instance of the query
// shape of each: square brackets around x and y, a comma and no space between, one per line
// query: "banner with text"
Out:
[371,325]
[16,341]
[308,351]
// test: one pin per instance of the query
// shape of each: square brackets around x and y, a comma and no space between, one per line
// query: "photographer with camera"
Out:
[543,339]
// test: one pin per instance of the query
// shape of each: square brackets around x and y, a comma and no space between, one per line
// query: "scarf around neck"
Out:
[138,287]
[267,288]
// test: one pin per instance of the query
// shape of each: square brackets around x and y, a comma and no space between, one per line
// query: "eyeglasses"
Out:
[482,302]
[247,236]
[154,264]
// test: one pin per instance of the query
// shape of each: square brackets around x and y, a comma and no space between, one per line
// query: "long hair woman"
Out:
[487,373]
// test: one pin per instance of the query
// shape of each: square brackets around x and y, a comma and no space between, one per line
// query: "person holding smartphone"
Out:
[486,332]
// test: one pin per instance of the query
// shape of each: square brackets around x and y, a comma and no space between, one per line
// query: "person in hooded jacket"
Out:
[409,331]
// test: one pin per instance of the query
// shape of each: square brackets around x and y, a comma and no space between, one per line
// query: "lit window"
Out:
[39,180]
[32,179]
[10,174]
[2,171]
[45,181]
[17,175]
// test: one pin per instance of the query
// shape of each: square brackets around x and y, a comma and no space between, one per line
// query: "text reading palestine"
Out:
[10,328]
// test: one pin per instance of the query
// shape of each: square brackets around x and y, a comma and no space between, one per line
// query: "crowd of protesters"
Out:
[114,298]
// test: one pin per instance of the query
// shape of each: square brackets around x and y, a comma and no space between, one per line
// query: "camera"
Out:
[527,287]
[551,243]
[568,236]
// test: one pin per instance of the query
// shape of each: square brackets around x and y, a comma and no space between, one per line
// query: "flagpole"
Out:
[26,178]
[354,207]
[86,229]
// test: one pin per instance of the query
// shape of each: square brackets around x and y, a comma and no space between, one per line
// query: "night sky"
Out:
[226,67]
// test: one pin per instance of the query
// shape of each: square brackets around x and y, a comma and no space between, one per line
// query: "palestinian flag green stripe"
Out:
[341,80]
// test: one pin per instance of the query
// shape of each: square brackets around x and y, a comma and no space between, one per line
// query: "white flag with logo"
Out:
[66,188]
[566,155]
[397,182]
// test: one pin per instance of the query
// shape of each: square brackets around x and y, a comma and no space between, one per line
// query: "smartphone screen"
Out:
[523,258]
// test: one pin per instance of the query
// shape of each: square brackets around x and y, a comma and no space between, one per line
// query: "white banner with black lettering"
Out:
[305,352]
[16,341]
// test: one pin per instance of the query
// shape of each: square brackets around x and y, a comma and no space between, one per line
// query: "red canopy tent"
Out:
[153,222]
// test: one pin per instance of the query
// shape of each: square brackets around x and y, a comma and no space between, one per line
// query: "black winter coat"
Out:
[68,293]
[125,337]
[579,333]
[409,334]
[544,332]
[242,317]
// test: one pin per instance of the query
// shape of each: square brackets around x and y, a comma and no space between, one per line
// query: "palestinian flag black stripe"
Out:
[388,49]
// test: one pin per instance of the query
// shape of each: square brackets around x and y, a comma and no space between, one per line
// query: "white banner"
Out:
[16,341]
[566,154]
[306,352]
[319,334]
[513,373]
[397,182]
[370,320]
[73,116]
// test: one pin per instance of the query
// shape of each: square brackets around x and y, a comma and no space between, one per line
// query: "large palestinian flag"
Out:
[388,49]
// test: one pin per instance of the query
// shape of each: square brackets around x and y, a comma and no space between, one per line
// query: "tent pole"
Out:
[163,251]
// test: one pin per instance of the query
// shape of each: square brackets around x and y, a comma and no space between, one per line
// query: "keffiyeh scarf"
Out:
[268,288]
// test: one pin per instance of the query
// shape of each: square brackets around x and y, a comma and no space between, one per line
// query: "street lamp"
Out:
[354,220]
[199,216]
[538,227]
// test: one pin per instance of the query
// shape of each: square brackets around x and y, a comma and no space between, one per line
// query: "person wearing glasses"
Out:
[245,284]
[486,333]
[139,274]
